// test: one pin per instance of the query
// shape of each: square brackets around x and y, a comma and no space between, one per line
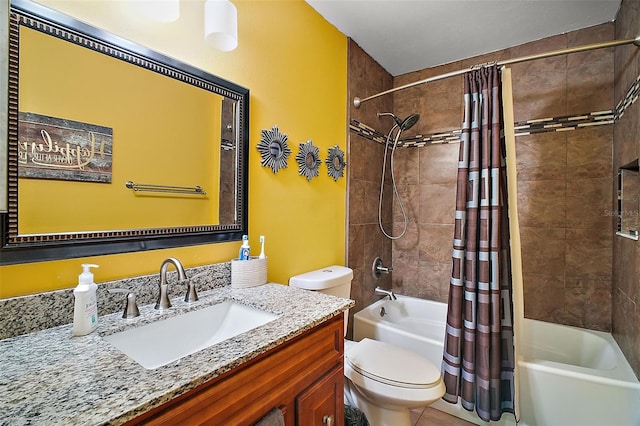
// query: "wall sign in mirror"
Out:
[335,162]
[55,148]
[628,200]
[274,149]
[166,119]
[308,159]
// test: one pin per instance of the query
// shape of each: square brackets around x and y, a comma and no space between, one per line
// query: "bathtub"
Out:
[568,376]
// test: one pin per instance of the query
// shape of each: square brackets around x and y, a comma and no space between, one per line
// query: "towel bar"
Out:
[146,187]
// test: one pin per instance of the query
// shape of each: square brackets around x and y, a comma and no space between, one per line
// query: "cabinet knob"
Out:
[328,420]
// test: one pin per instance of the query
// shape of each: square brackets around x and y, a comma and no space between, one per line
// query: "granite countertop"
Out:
[49,377]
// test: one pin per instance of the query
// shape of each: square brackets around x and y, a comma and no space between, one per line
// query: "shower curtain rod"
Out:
[357,101]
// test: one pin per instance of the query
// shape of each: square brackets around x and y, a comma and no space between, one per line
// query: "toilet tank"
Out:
[334,280]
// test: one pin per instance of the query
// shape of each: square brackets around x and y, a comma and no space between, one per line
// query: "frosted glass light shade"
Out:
[158,10]
[221,24]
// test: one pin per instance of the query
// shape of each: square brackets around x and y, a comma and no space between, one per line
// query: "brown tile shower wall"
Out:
[365,242]
[565,180]
[626,253]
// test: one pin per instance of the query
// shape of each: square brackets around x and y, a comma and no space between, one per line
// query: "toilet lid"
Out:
[393,365]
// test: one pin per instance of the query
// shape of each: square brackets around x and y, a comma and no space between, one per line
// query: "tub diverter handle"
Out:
[378,268]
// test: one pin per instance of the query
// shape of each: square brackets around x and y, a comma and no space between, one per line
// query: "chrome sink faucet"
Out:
[163,298]
[387,293]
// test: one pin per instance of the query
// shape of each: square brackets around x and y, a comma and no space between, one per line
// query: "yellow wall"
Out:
[295,65]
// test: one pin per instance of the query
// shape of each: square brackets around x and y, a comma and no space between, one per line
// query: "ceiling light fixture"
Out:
[221,24]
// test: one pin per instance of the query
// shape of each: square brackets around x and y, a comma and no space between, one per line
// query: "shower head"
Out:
[410,121]
[405,124]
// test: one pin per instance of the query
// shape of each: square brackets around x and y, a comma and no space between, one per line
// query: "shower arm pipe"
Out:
[636,41]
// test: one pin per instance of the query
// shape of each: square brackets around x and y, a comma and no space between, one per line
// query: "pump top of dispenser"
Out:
[245,241]
[86,277]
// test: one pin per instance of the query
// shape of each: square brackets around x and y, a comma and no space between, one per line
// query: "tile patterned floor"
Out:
[432,417]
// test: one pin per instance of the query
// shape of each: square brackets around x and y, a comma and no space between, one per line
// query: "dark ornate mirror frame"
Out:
[16,248]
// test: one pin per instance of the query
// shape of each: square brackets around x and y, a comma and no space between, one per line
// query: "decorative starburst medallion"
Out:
[308,160]
[335,163]
[274,149]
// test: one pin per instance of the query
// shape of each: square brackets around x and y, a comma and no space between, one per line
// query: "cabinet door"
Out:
[323,402]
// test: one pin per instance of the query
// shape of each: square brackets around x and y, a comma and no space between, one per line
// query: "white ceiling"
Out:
[410,35]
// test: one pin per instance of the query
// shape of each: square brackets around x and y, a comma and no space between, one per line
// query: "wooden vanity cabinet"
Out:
[303,377]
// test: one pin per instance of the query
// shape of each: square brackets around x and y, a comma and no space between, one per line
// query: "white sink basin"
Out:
[162,342]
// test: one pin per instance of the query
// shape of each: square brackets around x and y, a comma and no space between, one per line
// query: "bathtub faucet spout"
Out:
[386,293]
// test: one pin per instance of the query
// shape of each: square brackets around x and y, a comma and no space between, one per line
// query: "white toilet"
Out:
[382,380]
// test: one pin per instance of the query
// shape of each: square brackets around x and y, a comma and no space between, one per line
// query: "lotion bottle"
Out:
[85,310]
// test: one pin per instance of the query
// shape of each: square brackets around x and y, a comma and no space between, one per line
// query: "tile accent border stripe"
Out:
[529,127]
[522,128]
[629,98]
[564,123]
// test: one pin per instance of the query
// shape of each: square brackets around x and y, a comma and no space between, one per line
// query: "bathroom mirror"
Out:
[308,159]
[274,149]
[335,163]
[139,116]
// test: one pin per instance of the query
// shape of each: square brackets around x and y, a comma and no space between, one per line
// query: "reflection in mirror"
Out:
[275,149]
[310,160]
[228,160]
[122,96]
[105,111]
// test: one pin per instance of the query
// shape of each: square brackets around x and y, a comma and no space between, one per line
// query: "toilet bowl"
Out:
[382,380]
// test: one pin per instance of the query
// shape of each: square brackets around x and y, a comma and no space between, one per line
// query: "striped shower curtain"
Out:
[478,360]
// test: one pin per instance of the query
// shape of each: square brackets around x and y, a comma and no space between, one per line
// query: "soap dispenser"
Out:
[85,310]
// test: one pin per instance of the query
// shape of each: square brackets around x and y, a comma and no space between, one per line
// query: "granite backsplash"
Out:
[30,313]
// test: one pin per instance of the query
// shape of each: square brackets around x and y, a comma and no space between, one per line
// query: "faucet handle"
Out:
[192,295]
[163,297]
[130,307]
[378,268]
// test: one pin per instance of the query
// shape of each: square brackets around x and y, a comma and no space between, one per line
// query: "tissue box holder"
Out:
[248,273]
